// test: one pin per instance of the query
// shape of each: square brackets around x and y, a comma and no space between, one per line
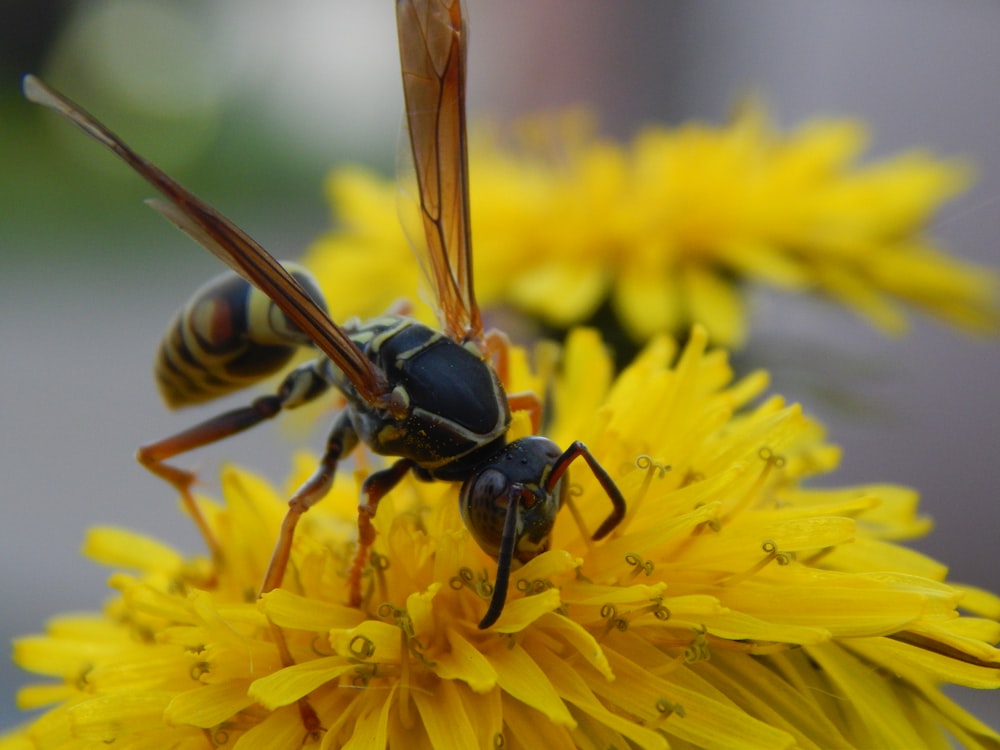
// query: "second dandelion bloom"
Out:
[733,607]
[669,230]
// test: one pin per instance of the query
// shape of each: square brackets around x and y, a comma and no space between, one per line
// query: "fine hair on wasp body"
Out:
[428,398]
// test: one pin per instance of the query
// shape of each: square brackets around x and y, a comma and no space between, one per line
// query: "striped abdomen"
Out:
[228,336]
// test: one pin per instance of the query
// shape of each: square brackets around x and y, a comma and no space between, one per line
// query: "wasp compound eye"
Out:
[483,505]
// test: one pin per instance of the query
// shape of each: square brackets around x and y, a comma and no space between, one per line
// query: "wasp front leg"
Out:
[576,450]
[301,385]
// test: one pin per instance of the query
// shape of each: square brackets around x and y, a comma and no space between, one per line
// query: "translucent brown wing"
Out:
[232,246]
[432,48]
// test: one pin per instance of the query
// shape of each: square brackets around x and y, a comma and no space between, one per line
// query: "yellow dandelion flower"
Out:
[666,230]
[733,607]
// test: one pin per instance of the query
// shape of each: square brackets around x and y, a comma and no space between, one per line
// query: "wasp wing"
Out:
[232,246]
[432,48]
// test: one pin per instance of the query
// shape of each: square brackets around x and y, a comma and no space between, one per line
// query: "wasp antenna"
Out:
[508,541]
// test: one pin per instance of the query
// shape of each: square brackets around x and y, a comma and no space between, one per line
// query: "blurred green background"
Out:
[250,103]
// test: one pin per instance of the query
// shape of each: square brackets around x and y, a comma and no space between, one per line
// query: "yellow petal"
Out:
[979,601]
[522,678]
[420,608]
[705,718]
[518,613]
[374,638]
[289,610]
[574,689]
[920,663]
[112,717]
[127,549]
[853,609]
[445,717]
[287,685]
[59,657]
[561,293]
[208,705]
[648,303]
[876,719]
[524,727]
[36,696]
[281,729]
[463,661]
[371,730]
[15,741]
[577,636]
[715,303]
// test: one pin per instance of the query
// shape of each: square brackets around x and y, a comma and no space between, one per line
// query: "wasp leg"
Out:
[375,487]
[562,463]
[153,455]
[302,384]
[498,349]
[504,560]
[341,441]
[401,307]
[529,402]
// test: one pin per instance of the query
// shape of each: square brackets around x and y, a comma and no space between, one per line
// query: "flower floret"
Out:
[670,230]
[733,607]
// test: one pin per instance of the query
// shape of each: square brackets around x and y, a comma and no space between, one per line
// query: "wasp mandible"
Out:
[431,399]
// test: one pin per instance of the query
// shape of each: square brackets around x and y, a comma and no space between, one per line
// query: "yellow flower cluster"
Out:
[666,231]
[733,608]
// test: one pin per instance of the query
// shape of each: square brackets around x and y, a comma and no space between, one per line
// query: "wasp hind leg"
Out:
[153,455]
[299,386]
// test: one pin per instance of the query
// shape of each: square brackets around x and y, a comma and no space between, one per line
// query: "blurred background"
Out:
[250,103]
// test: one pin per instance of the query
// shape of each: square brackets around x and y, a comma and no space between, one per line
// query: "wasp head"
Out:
[513,484]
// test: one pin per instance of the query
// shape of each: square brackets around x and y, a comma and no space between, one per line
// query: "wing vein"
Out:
[432,44]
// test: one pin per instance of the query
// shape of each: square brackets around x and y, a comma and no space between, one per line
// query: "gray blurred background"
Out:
[251,102]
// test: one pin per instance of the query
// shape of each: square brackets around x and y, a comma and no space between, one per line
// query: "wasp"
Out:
[432,399]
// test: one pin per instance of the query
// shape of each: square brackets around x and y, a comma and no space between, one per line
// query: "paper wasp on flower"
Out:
[431,399]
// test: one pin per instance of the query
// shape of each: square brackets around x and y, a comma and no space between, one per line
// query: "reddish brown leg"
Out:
[153,455]
[342,440]
[302,384]
[376,487]
[497,348]
[562,463]
[529,402]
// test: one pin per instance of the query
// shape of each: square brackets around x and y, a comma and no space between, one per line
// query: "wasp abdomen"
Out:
[228,336]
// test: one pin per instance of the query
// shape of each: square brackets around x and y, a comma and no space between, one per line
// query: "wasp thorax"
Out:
[517,474]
